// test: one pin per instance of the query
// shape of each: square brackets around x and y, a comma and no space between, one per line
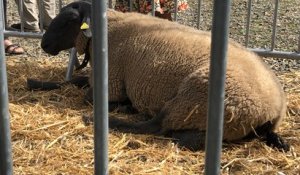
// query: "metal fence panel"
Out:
[269,52]
[216,94]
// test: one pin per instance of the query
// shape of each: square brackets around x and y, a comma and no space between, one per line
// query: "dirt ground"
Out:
[49,137]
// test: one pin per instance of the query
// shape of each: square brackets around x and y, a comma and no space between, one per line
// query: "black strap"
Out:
[87,57]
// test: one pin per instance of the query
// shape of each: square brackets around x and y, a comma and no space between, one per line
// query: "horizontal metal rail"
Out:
[8,33]
[276,54]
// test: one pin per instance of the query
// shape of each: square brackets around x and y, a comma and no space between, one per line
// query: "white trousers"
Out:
[31,13]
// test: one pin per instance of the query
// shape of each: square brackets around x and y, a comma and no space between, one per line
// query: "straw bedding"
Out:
[49,137]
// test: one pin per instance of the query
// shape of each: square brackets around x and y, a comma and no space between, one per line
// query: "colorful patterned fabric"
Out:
[144,6]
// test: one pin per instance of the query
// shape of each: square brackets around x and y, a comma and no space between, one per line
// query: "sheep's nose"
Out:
[44,45]
[48,48]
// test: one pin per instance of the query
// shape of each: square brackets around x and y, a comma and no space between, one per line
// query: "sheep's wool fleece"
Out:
[163,66]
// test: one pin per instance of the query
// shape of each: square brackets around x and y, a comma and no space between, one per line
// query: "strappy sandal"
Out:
[12,49]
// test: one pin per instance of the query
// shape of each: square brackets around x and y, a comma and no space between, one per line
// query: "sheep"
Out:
[162,67]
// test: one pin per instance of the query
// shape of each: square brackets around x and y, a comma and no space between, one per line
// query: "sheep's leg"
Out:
[266,133]
[32,84]
[274,140]
[42,85]
[114,122]
[152,126]
[88,98]
[190,139]
[195,139]
[124,106]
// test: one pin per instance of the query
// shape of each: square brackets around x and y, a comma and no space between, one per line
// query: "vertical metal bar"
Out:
[41,14]
[5,138]
[216,93]
[153,7]
[71,64]
[3,15]
[110,4]
[130,5]
[199,13]
[60,4]
[299,44]
[176,10]
[21,12]
[248,22]
[100,58]
[274,24]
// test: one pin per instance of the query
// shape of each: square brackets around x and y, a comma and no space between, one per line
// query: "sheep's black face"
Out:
[62,32]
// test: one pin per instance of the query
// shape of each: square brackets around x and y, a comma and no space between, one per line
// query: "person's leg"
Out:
[164,9]
[165,15]
[121,5]
[168,6]
[48,11]
[30,15]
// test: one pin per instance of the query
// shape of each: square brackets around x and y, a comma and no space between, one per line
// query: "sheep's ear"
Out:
[86,27]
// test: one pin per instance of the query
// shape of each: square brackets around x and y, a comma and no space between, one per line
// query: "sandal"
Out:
[12,49]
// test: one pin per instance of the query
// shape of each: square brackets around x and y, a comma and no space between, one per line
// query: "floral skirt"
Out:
[144,6]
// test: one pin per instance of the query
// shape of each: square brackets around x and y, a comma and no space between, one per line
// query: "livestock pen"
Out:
[48,136]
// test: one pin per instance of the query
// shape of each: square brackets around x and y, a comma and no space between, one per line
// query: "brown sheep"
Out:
[162,68]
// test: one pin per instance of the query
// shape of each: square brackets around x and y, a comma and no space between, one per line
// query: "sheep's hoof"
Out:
[41,85]
[274,140]
[87,120]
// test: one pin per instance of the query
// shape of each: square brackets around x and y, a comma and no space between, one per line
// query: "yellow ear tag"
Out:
[84,26]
